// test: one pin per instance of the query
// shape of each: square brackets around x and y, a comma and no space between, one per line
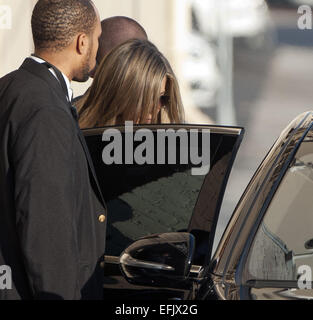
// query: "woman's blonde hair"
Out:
[127,86]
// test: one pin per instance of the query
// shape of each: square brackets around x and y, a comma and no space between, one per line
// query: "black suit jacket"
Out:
[50,233]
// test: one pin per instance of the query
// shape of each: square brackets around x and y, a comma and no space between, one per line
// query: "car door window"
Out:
[161,201]
[284,241]
[145,199]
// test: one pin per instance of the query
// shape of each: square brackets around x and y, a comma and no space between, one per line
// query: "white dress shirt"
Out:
[67,81]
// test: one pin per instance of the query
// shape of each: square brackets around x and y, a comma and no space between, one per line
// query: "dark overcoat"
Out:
[51,235]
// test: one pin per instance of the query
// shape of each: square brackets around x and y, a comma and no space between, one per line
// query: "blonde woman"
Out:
[134,82]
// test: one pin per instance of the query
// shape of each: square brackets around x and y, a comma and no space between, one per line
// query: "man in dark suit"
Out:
[52,213]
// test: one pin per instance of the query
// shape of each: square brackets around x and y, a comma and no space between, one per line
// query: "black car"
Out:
[266,251]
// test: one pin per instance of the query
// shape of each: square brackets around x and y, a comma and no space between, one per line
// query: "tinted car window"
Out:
[158,206]
[145,199]
[284,241]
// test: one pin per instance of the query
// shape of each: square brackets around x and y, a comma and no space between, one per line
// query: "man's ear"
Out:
[82,42]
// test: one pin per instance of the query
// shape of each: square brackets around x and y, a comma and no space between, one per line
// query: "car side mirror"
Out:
[159,260]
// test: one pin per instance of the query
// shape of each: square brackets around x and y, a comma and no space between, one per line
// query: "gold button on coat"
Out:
[101,218]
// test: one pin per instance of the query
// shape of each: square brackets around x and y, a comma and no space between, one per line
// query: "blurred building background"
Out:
[239,62]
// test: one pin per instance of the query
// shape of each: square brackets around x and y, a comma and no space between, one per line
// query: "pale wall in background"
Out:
[16,42]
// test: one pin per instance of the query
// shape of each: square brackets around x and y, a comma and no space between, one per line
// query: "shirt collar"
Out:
[67,81]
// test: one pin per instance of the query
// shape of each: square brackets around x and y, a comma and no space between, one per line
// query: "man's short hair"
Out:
[56,22]
[115,31]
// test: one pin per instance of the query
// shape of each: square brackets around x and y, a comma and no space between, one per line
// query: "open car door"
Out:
[153,182]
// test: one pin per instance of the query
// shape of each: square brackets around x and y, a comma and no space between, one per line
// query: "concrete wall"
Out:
[15,35]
